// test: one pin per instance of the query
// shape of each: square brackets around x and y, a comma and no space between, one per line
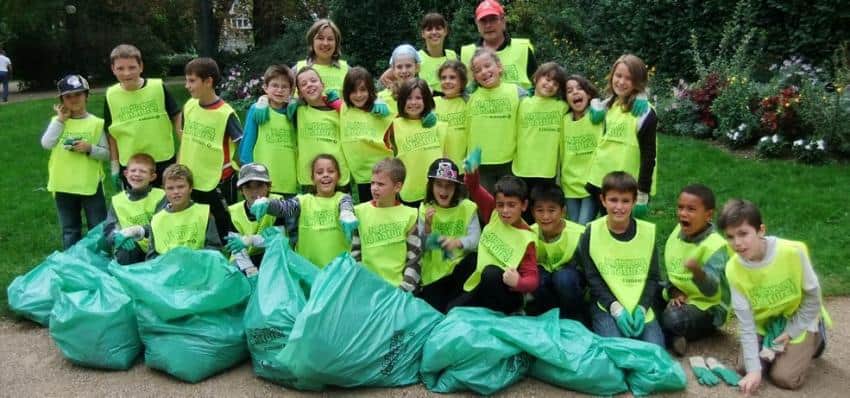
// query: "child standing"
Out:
[449,222]
[628,142]
[491,117]
[387,242]
[434,30]
[269,138]
[77,147]
[618,255]
[139,115]
[695,259]
[451,108]
[362,123]
[133,209]
[325,218]
[776,296]
[324,43]
[404,64]
[416,138]
[580,138]
[211,130]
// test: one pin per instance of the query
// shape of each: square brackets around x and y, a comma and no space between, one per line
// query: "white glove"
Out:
[254,241]
[616,309]
[262,102]
[135,232]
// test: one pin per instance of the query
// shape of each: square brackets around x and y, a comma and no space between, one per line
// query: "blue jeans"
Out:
[581,210]
[70,208]
[4,78]
[606,326]
[562,289]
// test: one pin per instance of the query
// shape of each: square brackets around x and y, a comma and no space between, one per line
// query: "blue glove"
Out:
[433,241]
[260,208]
[380,108]
[429,120]
[260,114]
[597,111]
[638,320]
[623,319]
[641,105]
[331,96]
[349,223]
[473,160]
[234,244]
[701,372]
[119,240]
[292,111]
[641,209]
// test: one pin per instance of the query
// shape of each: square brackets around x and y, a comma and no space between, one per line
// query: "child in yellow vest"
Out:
[416,138]
[325,218]
[451,108]
[132,209]
[324,43]
[434,29]
[695,257]
[491,117]
[620,261]
[404,66]
[77,147]
[363,120]
[580,138]
[628,142]
[561,281]
[268,135]
[776,297]
[449,223]
[139,115]
[210,132]
[387,241]
[181,222]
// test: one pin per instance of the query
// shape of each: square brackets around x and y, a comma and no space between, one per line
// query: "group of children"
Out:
[480,194]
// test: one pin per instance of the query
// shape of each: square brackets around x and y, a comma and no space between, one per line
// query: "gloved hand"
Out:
[349,223]
[472,161]
[380,108]
[429,120]
[234,243]
[123,242]
[472,87]
[641,105]
[435,242]
[115,175]
[292,110]
[331,96]
[597,111]
[701,372]
[729,376]
[775,327]
[623,318]
[641,209]
[260,114]
[260,207]
[68,144]
[530,91]
[638,320]
[126,238]
[407,287]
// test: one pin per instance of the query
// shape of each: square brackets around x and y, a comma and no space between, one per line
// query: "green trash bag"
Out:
[648,367]
[357,330]
[92,322]
[29,294]
[476,349]
[189,306]
[282,288]
[588,370]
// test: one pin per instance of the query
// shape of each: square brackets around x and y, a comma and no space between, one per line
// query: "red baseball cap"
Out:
[487,8]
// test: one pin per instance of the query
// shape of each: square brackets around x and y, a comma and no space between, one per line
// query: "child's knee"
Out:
[788,378]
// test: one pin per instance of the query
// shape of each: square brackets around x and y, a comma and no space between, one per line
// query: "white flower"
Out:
[773,67]
[764,139]
[786,63]
[799,142]
[821,145]
[808,147]
[775,138]
[742,127]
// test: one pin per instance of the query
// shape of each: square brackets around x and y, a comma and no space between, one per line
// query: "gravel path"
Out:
[30,366]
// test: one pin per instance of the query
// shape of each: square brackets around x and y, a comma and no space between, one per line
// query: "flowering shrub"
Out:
[739,137]
[239,88]
[778,113]
[704,95]
[809,151]
[734,106]
[772,146]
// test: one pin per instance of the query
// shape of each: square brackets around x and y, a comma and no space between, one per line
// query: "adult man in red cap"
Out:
[517,55]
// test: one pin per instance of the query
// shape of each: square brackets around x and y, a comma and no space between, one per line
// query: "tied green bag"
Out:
[92,322]
[189,306]
[357,330]
[648,367]
[281,291]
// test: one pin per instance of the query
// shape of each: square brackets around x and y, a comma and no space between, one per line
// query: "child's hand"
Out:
[511,277]
[349,222]
[750,383]
[380,108]
[782,340]
[472,161]
[429,215]
[81,146]
[260,114]
[260,207]
[451,244]
[679,300]
[62,113]
[429,120]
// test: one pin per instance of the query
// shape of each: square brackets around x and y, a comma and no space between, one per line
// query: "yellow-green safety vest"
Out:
[332,76]
[580,138]
[451,222]
[361,135]
[501,245]
[202,148]
[140,122]
[387,96]
[552,256]
[453,112]
[618,149]
[320,236]
[244,226]
[429,67]
[539,123]
[275,148]
[514,60]
[417,147]
[383,239]
[75,172]
[184,228]
[491,115]
[677,251]
[318,133]
[137,212]
[624,266]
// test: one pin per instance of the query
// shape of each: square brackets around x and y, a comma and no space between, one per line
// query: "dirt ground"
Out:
[31,366]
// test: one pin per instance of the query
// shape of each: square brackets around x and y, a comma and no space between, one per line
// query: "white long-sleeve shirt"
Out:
[50,138]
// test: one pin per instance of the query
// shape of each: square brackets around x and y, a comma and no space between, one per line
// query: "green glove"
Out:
[380,108]
[234,243]
[623,318]
[530,91]
[701,372]
[260,114]
[434,242]
[349,223]
[292,111]
[597,111]
[115,176]
[729,376]
[429,120]
[775,327]
[331,96]
[641,105]
[118,240]
[472,87]
[473,160]
[641,209]
[260,208]
[638,320]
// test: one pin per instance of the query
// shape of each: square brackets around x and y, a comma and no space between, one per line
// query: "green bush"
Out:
[734,106]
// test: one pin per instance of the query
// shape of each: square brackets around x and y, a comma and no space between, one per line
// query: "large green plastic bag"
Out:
[648,367]
[281,291]
[189,306]
[29,294]
[92,322]
[357,330]
[589,369]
